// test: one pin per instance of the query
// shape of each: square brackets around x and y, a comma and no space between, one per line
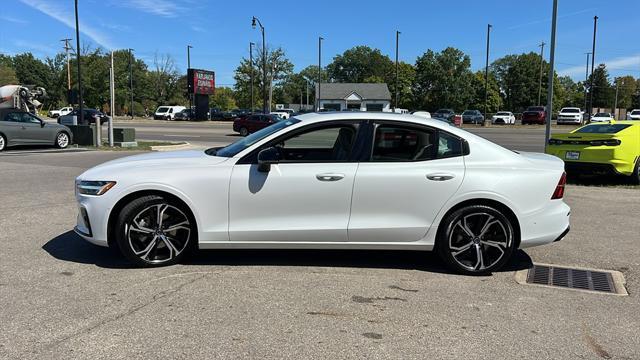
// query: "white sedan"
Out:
[330,181]
[503,117]
[602,117]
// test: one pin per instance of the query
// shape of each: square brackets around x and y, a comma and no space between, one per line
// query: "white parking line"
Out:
[191,136]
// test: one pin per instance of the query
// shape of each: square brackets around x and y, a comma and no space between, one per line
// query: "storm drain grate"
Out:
[571,278]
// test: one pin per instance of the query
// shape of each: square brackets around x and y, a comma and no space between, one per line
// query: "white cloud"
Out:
[66,17]
[197,28]
[625,63]
[163,8]
[13,20]
[38,48]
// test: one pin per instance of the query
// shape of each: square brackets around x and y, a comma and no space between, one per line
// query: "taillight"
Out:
[559,192]
[611,142]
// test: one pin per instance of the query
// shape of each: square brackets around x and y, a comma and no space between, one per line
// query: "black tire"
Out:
[635,177]
[60,143]
[146,243]
[464,229]
[3,142]
[244,131]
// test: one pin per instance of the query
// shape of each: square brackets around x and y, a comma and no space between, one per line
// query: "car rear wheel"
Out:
[154,231]
[476,240]
[3,142]
[244,131]
[62,140]
[635,177]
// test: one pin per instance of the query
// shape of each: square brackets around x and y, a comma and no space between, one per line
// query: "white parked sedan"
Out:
[503,117]
[602,117]
[330,181]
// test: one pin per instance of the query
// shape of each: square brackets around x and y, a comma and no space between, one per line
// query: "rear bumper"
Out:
[546,225]
[590,168]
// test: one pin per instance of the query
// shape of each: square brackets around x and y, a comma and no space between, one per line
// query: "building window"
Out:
[374,107]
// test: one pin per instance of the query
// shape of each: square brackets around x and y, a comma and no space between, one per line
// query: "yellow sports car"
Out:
[603,148]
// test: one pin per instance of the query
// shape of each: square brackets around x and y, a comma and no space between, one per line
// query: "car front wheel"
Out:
[62,140]
[476,240]
[154,231]
[244,131]
[635,177]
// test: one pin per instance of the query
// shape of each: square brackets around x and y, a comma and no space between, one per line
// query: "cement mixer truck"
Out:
[24,98]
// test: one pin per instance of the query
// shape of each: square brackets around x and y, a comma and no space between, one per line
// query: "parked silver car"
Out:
[22,128]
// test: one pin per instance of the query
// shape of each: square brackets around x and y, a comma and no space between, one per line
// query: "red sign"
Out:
[201,82]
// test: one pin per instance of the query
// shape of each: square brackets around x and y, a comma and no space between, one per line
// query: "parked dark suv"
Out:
[472,117]
[91,115]
[252,123]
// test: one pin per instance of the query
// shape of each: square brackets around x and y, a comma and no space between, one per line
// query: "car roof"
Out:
[309,118]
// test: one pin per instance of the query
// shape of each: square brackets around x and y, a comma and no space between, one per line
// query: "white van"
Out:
[167,112]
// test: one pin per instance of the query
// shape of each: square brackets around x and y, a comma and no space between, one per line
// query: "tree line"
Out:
[435,80]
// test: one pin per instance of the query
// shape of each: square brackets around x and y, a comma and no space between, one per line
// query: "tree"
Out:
[602,91]
[223,99]
[278,69]
[494,101]
[360,64]
[627,89]
[443,80]
[7,75]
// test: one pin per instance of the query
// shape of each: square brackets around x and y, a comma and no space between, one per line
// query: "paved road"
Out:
[221,133]
[63,298]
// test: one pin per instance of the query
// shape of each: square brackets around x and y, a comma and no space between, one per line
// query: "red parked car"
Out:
[534,115]
[245,125]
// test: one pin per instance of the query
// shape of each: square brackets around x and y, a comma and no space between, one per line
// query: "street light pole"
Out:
[255,21]
[586,79]
[540,79]
[131,78]
[552,54]
[486,75]
[320,38]
[615,104]
[189,47]
[397,40]
[251,107]
[593,58]
[80,106]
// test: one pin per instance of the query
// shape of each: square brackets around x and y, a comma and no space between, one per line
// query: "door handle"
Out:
[330,177]
[440,177]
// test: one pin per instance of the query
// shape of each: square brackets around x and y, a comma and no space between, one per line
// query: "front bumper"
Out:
[92,219]
[569,120]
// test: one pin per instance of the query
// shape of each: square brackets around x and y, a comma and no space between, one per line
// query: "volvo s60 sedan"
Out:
[330,181]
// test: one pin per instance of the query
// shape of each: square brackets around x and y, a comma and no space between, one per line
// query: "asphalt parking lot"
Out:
[62,297]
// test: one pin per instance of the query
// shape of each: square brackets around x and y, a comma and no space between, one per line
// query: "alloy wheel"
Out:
[158,233]
[2,143]
[479,240]
[62,140]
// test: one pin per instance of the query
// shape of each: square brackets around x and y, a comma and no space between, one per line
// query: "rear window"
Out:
[602,115]
[535,108]
[570,110]
[602,128]
[162,109]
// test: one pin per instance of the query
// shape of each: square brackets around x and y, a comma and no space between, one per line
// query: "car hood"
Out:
[157,160]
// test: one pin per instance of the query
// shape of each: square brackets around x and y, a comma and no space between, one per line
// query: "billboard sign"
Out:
[201,82]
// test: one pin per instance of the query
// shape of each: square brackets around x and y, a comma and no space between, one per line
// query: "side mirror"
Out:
[266,157]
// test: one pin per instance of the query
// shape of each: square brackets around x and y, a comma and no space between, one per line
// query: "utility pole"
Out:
[593,58]
[189,67]
[320,38]
[397,39]
[552,55]
[112,105]
[586,80]
[66,50]
[131,79]
[251,64]
[615,104]
[486,76]
[541,64]
[81,109]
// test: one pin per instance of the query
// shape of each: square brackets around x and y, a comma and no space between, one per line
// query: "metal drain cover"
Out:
[591,280]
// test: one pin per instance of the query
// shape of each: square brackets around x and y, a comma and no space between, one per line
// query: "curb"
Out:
[184,146]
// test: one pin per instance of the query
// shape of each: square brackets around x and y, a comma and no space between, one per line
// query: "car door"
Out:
[306,197]
[35,131]
[413,170]
[11,127]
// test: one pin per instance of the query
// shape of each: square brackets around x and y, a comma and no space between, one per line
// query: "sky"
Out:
[220,30]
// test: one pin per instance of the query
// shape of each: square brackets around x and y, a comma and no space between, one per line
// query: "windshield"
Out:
[570,110]
[535,108]
[240,145]
[635,112]
[602,128]
[503,113]
[602,115]
[469,112]
[162,109]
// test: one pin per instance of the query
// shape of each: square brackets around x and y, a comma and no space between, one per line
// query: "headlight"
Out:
[94,187]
